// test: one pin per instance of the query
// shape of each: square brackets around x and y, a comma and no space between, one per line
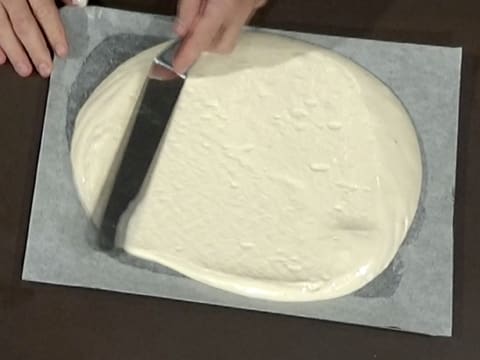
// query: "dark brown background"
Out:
[50,322]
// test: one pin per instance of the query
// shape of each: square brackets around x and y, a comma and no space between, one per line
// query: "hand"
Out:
[210,25]
[23,24]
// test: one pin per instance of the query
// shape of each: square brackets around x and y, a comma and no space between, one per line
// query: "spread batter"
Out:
[288,173]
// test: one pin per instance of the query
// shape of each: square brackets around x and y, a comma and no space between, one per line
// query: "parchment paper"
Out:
[414,294]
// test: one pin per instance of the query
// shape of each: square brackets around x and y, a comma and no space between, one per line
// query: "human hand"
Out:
[25,28]
[210,25]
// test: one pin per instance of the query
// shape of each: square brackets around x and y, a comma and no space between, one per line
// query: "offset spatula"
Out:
[148,125]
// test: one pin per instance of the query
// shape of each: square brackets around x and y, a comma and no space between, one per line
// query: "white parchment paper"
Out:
[414,294]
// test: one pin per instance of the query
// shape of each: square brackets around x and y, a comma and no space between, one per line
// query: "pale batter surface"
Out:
[288,173]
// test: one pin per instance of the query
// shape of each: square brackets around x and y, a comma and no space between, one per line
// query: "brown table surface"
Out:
[52,322]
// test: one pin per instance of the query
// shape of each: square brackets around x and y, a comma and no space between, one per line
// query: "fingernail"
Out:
[23,69]
[80,3]
[61,50]
[44,69]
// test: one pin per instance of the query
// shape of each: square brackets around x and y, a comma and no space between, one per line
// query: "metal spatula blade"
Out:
[147,129]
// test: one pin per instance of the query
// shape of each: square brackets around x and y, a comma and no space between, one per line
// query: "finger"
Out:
[11,47]
[202,36]
[188,11]
[218,38]
[47,15]
[3,57]
[28,32]
[226,44]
